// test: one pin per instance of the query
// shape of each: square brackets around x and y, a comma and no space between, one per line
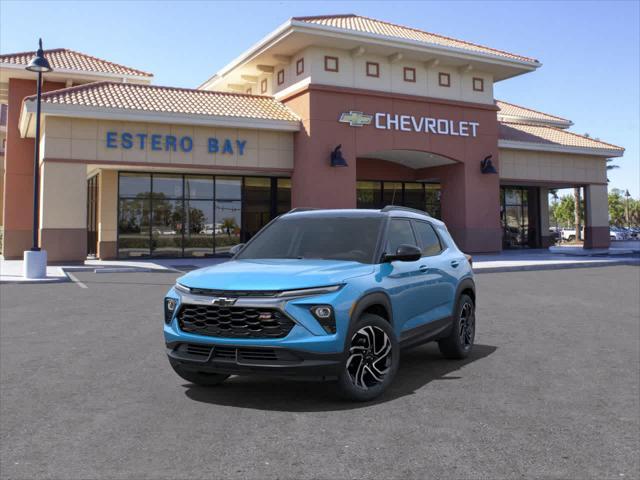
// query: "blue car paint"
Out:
[417,295]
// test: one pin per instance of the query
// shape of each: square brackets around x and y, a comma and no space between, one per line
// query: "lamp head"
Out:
[39,62]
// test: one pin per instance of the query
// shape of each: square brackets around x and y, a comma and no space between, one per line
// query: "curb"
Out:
[561,266]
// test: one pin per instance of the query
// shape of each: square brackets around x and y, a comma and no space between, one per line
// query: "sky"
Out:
[590,51]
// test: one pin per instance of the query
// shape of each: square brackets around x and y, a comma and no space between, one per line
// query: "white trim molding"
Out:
[553,147]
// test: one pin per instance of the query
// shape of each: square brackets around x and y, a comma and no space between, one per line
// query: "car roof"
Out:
[389,211]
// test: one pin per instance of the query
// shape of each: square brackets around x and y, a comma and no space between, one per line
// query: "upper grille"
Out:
[234,322]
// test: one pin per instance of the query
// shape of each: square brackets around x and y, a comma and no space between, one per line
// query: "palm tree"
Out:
[611,167]
[228,225]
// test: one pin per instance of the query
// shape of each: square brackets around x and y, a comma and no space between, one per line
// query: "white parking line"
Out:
[75,280]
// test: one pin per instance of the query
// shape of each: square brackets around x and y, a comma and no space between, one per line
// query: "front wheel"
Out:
[371,359]
[203,379]
[460,342]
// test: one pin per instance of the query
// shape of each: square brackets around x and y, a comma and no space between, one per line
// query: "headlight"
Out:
[305,292]
[324,315]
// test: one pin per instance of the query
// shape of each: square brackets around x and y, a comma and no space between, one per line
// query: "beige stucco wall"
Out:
[598,206]
[552,167]
[352,73]
[81,139]
[63,196]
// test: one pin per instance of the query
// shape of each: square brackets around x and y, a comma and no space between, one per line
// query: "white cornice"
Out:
[128,115]
[292,26]
[543,147]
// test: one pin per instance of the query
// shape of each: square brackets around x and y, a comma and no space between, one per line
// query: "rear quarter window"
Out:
[428,240]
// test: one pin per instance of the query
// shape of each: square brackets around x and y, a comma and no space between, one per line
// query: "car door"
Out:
[436,267]
[402,280]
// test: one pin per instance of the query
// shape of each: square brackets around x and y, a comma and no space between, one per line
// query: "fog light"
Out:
[324,315]
[169,308]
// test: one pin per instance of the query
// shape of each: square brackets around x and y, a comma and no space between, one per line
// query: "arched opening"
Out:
[409,178]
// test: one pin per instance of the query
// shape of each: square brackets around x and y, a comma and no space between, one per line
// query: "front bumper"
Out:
[246,360]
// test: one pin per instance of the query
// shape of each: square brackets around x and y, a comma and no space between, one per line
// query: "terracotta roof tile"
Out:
[379,27]
[517,132]
[513,110]
[65,59]
[153,98]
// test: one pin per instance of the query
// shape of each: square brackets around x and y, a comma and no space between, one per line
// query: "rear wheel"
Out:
[199,378]
[460,342]
[371,361]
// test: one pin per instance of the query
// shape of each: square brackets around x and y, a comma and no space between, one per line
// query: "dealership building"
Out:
[337,111]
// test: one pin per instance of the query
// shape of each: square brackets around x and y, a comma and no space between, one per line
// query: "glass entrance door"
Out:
[519,217]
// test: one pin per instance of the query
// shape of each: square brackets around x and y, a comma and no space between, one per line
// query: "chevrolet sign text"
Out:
[438,126]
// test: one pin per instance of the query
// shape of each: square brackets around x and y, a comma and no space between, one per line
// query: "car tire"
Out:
[372,356]
[571,238]
[203,379]
[459,343]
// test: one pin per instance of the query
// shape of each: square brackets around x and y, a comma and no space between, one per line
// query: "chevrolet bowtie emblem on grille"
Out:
[355,119]
[223,301]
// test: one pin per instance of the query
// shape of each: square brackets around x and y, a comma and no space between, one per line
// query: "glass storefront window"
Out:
[257,205]
[414,196]
[228,220]
[133,227]
[199,227]
[135,185]
[369,194]
[391,193]
[418,195]
[167,186]
[193,215]
[283,200]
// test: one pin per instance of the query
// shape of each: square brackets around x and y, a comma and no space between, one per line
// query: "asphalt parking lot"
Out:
[551,391]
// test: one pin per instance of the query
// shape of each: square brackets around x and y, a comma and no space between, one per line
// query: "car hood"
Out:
[274,274]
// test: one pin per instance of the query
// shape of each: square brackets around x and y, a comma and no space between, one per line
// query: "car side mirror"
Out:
[404,253]
[236,249]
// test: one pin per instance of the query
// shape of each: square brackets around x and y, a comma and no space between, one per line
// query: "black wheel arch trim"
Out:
[369,300]
[466,284]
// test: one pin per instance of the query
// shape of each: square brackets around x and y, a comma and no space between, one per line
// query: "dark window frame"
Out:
[444,79]
[264,85]
[300,66]
[327,59]
[480,82]
[377,68]
[413,72]
[280,77]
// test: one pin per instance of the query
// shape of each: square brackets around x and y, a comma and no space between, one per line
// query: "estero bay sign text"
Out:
[171,143]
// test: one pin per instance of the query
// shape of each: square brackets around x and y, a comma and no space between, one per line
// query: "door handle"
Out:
[423,268]
[455,263]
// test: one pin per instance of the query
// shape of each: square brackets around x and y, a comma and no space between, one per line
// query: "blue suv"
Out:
[325,293]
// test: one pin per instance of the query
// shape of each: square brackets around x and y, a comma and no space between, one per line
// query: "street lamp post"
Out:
[626,208]
[35,260]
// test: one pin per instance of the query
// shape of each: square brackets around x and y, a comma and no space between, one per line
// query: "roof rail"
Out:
[301,209]
[390,208]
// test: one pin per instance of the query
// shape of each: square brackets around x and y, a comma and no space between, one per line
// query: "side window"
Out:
[428,238]
[400,233]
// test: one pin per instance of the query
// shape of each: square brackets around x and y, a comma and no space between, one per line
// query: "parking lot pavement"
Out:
[551,391]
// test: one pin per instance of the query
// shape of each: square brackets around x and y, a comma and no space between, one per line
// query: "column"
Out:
[107,214]
[63,211]
[596,216]
[546,240]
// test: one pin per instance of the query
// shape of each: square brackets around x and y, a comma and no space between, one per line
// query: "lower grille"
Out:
[234,322]
[246,355]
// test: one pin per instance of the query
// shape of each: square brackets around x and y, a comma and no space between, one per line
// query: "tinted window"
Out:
[428,238]
[317,237]
[400,233]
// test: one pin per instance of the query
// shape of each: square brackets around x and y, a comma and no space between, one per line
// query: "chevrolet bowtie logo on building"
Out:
[356,119]
[223,301]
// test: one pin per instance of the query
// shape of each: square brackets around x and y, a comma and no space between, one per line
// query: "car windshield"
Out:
[348,237]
